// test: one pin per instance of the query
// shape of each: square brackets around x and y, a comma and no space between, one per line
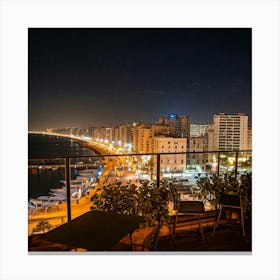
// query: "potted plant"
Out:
[147,200]
[214,188]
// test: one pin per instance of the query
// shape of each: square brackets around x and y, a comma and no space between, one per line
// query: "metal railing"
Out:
[220,160]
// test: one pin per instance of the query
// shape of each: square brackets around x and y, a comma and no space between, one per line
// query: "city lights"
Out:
[144,132]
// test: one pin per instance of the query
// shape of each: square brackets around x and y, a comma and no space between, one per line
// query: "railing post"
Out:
[158,169]
[236,163]
[219,157]
[68,192]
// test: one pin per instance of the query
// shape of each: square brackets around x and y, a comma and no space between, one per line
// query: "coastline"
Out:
[46,144]
[95,148]
[57,214]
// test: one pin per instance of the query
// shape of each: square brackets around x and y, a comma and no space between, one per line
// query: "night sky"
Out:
[105,77]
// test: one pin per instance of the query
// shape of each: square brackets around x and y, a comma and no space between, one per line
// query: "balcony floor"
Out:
[226,239]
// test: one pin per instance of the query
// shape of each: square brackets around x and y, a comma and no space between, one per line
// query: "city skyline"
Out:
[105,77]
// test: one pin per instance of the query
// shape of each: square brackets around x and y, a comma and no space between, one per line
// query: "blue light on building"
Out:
[172,116]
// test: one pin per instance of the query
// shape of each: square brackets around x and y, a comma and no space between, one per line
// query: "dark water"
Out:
[41,145]
[41,180]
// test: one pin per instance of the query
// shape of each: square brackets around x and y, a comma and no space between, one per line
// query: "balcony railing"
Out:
[152,166]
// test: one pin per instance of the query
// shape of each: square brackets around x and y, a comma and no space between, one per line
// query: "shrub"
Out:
[146,200]
[213,187]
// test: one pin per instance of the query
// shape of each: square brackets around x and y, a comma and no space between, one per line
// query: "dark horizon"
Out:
[78,77]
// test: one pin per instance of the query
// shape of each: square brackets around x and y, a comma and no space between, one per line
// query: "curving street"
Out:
[56,215]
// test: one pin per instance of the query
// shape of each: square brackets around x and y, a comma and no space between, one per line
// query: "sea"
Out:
[45,174]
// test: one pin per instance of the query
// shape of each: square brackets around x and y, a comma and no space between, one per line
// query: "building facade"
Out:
[180,125]
[144,140]
[197,159]
[197,130]
[210,145]
[230,132]
[99,133]
[249,138]
[172,162]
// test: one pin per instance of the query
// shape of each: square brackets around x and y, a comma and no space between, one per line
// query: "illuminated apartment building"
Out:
[197,144]
[144,140]
[180,125]
[172,162]
[230,132]
[249,138]
[99,133]
[197,130]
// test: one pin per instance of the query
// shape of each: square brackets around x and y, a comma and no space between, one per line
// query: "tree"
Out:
[42,226]
[151,166]
[213,187]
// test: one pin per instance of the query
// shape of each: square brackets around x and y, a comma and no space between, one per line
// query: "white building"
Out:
[249,138]
[197,144]
[198,129]
[172,162]
[230,132]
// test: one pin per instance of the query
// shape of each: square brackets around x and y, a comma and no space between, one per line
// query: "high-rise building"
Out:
[109,134]
[134,138]
[90,131]
[182,127]
[103,133]
[115,135]
[210,144]
[230,132]
[179,124]
[99,133]
[165,130]
[144,139]
[125,137]
[163,121]
[249,138]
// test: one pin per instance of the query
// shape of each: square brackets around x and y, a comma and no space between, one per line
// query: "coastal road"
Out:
[56,215]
